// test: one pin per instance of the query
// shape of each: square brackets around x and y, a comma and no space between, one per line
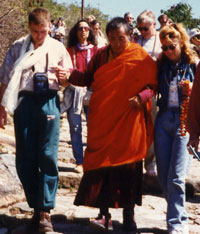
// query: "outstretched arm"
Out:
[193,119]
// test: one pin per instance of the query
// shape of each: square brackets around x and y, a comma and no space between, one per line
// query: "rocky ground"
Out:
[67,218]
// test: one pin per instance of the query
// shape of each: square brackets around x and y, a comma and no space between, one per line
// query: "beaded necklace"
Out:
[186,91]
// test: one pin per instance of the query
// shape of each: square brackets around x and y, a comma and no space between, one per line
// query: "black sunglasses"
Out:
[165,47]
[83,28]
[143,28]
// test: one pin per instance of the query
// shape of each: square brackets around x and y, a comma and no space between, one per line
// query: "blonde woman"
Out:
[176,75]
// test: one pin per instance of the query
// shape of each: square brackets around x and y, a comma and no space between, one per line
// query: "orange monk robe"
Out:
[117,132]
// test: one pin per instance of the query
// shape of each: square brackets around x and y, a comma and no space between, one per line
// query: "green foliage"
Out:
[13,23]
[103,19]
[14,20]
[182,13]
[71,13]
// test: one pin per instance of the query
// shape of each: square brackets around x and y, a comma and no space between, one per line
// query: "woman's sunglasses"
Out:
[143,28]
[83,28]
[170,47]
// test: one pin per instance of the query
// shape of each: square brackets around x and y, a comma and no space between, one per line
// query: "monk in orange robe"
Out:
[120,130]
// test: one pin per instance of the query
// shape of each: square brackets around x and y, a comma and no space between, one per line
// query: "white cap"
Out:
[194,32]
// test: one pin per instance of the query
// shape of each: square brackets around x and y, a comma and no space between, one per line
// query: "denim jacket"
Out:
[182,70]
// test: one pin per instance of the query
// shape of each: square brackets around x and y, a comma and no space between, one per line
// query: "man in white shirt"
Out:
[149,38]
[99,36]
[150,41]
[29,87]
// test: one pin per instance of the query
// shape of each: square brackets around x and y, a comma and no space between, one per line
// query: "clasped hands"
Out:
[62,75]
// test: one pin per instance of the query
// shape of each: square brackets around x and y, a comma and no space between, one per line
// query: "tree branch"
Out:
[7,13]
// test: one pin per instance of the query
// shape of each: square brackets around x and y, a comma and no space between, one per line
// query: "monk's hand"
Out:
[135,102]
[62,75]
[3,117]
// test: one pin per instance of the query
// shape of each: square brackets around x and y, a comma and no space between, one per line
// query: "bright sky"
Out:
[119,7]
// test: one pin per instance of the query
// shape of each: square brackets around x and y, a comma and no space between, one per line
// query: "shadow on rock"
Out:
[152,230]
[62,225]
[66,169]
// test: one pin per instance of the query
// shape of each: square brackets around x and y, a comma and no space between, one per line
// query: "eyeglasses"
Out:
[81,29]
[171,47]
[143,28]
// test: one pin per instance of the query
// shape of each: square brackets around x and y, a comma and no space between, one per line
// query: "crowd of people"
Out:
[58,29]
[135,86]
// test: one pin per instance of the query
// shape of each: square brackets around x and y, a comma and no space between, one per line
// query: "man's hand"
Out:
[62,76]
[135,102]
[3,117]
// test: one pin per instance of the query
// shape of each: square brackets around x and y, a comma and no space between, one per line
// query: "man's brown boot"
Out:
[45,224]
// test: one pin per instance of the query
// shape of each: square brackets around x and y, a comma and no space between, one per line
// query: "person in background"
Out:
[176,76]
[100,39]
[150,41]
[52,28]
[119,125]
[163,20]
[63,22]
[81,49]
[134,33]
[59,31]
[36,107]
[149,38]
[195,40]
[129,17]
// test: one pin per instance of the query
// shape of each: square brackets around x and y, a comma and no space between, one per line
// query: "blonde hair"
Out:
[90,18]
[177,31]
[146,17]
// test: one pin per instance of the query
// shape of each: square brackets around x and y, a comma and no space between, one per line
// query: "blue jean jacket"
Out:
[183,70]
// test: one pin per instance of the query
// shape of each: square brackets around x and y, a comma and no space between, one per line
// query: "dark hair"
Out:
[162,17]
[117,22]
[126,14]
[73,38]
[39,16]
[95,22]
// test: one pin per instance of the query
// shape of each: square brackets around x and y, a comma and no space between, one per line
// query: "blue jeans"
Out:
[173,161]
[75,126]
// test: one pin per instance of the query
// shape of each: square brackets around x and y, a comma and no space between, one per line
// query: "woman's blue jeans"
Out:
[173,161]
[75,126]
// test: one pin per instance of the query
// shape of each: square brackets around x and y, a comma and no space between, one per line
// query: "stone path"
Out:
[67,218]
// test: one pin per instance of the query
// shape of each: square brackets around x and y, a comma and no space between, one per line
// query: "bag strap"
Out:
[47,64]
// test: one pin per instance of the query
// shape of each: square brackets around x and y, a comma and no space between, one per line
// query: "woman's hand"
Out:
[135,102]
